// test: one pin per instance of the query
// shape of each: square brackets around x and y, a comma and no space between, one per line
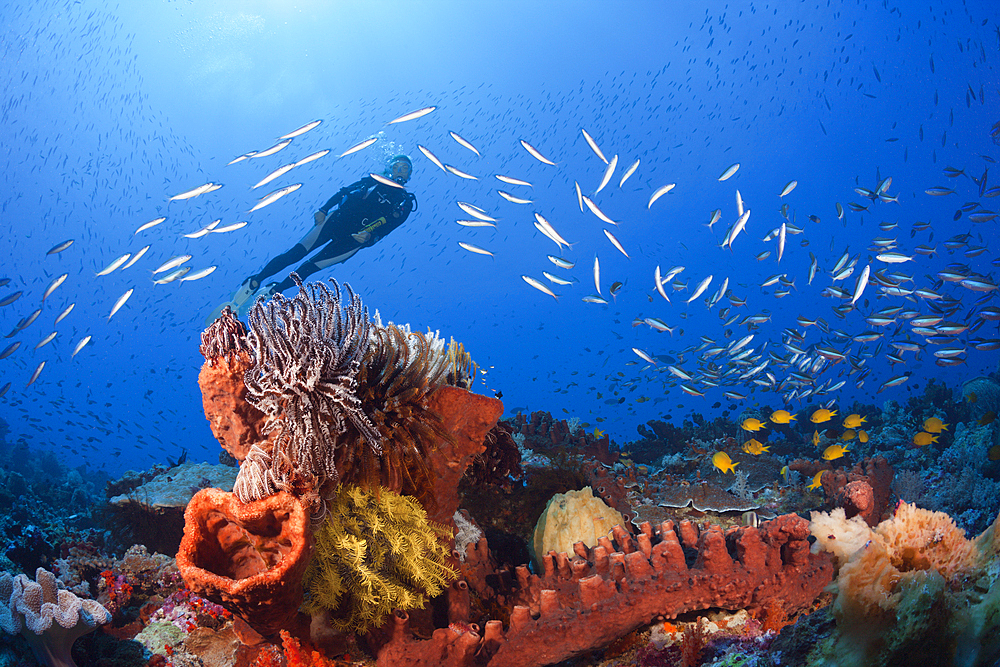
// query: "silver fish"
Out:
[280,171]
[135,257]
[593,146]
[598,212]
[554,279]
[56,282]
[48,339]
[607,174]
[512,199]
[788,188]
[561,263]
[597,274]
[273,149]
[173,275]
[615,242]
[120,302]
[230,228]
[460,173]
[535,154]
[59,247]
[660,191]
[463,142]
[302,130]
[79,346]
[64,313]
[540,286]
[114,265]
[194,192]
[358,147]
[413,115]
[309,158]
[433,158]
[197,275]
[659,283]
[10,349]
[730,170]
[475,223]
[172,263]
[386,181]
[475,211]
[702,286]
[151,223]
[509,180]
[548,230]
[475,249]
[628,172]
[34,376]
[645,357]
[276,195]
[11,298]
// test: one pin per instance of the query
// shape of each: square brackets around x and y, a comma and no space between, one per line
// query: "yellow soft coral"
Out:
[376,552]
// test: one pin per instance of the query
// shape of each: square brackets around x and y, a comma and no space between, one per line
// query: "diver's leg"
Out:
[296,254]
[327,257]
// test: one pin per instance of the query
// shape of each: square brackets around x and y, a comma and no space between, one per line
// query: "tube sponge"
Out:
[51,619]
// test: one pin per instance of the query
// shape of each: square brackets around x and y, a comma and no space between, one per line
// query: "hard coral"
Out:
[51,619]
[250,557]
[375,553]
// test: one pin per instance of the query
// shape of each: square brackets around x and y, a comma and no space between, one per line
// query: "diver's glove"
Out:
[319,217]
[362,236]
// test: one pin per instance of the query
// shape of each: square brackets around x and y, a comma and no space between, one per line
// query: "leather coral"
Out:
[50,618]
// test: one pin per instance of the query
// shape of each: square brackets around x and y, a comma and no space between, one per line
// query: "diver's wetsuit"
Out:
[365,206]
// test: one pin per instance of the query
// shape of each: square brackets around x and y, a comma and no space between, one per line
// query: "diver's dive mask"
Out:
[400,169]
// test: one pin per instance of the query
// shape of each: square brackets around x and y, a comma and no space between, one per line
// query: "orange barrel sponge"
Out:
[249,557]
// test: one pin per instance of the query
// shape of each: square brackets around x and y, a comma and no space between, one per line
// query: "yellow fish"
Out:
[751,424]
[862,437]
[834,452]
[781,416]
[848,435]
[784,473]
[822,415]
[935,425]
[854,421]
[815,438]
[598,433]
[755,447]
[817,481]
[722,461]
[923,439]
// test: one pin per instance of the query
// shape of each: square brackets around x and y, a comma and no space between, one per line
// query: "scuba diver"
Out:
[357,217]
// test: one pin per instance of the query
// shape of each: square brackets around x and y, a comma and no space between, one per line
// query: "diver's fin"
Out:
[218,311]
[240,297]
[265,292]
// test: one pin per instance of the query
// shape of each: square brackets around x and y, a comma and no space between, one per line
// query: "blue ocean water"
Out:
[111,109]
